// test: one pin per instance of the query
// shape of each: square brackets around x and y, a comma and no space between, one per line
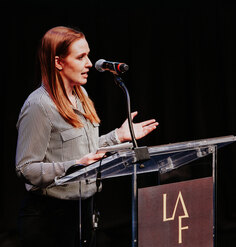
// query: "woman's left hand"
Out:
[140,129]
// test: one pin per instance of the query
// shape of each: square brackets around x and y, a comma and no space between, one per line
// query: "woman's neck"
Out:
[70,93]
[69,89]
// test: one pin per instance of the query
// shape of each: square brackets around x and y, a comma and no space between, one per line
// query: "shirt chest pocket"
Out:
[71,134]
[74,143]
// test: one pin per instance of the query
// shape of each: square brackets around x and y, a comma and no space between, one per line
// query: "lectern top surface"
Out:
[164,158]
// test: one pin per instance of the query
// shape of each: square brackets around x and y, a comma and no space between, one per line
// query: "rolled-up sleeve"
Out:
[109,139]
[34,132]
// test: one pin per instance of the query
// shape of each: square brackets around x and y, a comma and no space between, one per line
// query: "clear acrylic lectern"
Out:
[163,159]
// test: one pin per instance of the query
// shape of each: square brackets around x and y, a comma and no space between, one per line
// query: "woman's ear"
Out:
[58,63]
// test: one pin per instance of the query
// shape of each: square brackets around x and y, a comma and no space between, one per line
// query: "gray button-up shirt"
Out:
[47,145]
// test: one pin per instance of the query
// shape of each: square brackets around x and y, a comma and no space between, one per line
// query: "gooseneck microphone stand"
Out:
[141,154]
[118,80]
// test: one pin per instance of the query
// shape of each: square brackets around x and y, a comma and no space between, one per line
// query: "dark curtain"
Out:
[181,56]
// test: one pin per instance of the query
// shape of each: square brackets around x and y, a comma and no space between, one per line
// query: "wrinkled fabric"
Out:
[47,145]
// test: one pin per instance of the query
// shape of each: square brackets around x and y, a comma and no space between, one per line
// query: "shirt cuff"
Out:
[109,139]
[116,137]
[68,164]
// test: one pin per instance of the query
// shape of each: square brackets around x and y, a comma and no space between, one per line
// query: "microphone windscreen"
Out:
[98,65]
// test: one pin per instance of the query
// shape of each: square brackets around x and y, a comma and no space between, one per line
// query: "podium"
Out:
[152,203]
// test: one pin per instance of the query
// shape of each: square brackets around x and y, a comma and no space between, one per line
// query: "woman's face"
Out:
[75,66]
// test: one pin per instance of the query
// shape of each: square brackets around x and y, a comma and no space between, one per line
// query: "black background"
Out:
[182,72]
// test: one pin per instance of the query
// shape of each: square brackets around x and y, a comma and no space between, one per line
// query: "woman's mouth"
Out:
[85,74]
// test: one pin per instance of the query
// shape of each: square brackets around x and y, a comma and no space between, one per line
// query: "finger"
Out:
[151,125]
[149,129]
[148,122]
[133,114]
[98,155]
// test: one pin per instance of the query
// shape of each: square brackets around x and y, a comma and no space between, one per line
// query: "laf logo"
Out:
[176,215]
[179,202]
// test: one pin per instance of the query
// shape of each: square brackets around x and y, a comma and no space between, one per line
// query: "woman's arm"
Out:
[122,134]
[34,132]
[140,129]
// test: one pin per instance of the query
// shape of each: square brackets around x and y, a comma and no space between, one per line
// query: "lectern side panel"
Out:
[177,214]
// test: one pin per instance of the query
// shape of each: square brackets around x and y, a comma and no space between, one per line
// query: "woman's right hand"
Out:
[90,158]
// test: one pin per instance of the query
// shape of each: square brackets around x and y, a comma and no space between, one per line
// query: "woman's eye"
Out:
[82,56]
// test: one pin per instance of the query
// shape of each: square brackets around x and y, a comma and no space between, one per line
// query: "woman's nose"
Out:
[89,63]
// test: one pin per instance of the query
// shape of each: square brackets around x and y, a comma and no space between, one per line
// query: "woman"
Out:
[58,128]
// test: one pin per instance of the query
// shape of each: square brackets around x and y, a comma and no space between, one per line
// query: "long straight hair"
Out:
[56,42]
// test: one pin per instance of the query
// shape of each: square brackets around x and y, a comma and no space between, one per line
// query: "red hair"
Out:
[56,42]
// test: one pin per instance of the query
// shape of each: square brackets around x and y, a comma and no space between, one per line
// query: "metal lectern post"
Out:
[214,178]
[134,207]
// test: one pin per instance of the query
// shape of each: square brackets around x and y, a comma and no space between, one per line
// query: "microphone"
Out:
[116,68]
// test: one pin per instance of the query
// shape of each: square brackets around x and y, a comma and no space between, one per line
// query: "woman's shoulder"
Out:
[39,97]
[37,102]
[35,105]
